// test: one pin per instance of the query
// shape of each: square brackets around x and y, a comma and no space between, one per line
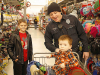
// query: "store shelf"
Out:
[32,26]
[42,32]
[43,28]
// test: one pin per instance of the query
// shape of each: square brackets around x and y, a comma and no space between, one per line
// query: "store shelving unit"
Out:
[8,26]
[44,21]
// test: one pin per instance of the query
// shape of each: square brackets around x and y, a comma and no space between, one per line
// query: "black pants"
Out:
[20,69]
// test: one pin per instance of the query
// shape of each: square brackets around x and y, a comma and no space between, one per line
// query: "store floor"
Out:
[38,47]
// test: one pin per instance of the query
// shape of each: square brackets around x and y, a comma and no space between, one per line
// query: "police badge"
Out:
[68,21]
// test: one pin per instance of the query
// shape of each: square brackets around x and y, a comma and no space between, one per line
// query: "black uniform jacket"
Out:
[71,27]
[15,49]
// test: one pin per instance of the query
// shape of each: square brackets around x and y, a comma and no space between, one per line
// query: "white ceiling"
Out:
[38,2]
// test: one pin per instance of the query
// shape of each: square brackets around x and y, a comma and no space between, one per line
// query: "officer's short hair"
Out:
[66,37]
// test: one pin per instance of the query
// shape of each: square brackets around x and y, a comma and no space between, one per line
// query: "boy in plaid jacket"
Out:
[64,57]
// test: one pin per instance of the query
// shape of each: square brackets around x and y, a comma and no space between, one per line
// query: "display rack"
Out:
[7,27]
[44,21]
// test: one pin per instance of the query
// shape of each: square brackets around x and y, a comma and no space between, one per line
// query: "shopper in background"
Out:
[20,48]
[35,23]
[64,25]
[27,21]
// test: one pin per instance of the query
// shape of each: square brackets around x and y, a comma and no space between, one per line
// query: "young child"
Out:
[20,48]
[64,57]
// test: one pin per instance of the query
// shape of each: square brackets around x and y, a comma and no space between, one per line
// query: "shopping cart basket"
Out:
[47,67]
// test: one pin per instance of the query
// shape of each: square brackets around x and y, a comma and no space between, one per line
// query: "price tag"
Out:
[10,24]
[5,24]
[11,29]
[4,6]
[5,18]
[0,30]
[13,21]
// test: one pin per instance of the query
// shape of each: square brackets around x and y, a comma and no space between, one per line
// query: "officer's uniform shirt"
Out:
[69,25]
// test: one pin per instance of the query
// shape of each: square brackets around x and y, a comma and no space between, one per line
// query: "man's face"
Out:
[64,45]
[56,16]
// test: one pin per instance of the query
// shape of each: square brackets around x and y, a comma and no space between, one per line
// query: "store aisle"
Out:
[38,46]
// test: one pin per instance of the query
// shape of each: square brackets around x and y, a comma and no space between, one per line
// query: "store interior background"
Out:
[36,6]
[10,24]
[29,9]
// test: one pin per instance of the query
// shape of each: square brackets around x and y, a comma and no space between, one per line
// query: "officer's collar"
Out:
[63,17]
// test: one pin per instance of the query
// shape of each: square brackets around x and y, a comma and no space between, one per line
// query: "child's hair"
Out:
[21,20]
[66,37]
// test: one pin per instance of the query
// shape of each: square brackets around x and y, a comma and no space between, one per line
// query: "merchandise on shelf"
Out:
[43,21]
[8,24]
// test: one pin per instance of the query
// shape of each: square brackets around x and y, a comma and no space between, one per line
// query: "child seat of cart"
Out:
[72,71]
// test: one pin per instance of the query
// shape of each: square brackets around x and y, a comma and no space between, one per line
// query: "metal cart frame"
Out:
[83,66]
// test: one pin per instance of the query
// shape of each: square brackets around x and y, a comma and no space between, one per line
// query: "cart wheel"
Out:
[90,66]
[1,73]
[0,68]
[97,68]
[89,59]
[5,74]
[5,64]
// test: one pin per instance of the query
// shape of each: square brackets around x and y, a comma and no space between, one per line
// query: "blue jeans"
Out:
[35,25]
[52,72]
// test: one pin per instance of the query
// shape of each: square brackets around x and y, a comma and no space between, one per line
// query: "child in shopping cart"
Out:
[64,57]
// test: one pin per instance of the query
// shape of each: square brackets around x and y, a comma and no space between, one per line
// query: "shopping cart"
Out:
[48,67]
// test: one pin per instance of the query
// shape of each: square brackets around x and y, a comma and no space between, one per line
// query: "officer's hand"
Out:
[57,50]
[62,65]
[85,55]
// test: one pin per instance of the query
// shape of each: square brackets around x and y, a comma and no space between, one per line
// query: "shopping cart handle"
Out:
[83,66]
[76,54]
[43,53]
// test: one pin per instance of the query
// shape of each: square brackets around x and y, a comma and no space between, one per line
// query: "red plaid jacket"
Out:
[64,57]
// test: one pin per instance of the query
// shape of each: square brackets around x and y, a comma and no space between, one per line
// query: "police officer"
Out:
[64,25]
